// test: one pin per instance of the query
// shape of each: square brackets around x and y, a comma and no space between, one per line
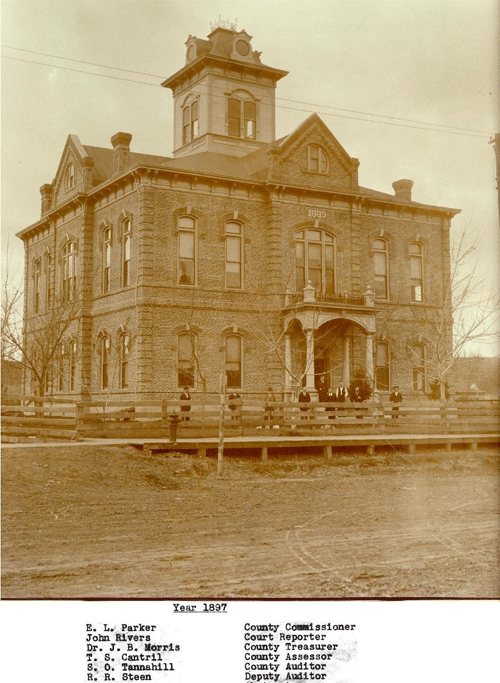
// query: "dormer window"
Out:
[190,122]
[70,177]
[242,118]
[314,159]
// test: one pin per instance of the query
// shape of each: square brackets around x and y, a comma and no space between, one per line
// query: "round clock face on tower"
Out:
[191,53]
[242,48]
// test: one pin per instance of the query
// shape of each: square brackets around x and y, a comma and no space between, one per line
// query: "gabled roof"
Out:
[313,119]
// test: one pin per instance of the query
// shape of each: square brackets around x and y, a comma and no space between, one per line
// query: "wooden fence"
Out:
[49,420]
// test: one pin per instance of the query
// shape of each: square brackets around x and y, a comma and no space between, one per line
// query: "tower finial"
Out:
[229,25]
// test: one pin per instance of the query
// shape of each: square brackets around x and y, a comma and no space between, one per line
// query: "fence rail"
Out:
[34,417]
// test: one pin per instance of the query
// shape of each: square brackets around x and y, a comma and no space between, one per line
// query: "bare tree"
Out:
[465,310]
[35,342]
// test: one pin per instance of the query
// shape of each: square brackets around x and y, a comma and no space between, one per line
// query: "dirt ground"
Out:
[107,521]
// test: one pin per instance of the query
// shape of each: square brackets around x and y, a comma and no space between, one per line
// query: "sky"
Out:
[409,88]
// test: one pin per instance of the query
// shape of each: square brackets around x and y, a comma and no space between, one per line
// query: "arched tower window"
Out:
[242,118]
[190,122]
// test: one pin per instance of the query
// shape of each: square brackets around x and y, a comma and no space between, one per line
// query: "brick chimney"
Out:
[46,192]
[121,151]
[402,189]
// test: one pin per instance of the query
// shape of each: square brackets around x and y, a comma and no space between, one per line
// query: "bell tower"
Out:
[224,97]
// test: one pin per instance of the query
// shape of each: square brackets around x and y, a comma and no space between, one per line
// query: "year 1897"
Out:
[214,606]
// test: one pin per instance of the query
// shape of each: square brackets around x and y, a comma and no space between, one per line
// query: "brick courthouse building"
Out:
[259,260]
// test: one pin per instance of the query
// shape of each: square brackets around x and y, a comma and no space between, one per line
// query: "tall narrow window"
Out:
[37,277]
[233,361]
[69,271]
[190,122]
[72,364]
[416,272]
[48,279]
[126,242]
[380,268]
[70,176]
[124,360]
[249,119]
[186,349]
[315,261]
[234,117]
[233,255]
[382,378]
[105,348]
[106,260]
[187,251]
[418,363]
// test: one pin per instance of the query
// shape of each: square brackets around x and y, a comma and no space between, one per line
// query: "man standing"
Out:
[304,398]
[186,407]
[341,395]
[322,389]
[395,398]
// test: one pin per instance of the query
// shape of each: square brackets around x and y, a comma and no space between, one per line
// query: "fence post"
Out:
[164,417]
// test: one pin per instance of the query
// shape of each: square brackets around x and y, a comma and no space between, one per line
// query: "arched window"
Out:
[416,271]
[314,159]
[242,118]
[48,279]
[69,271]
[186,352]
[124,360]
[315,260]
[190,122]
[106,260]
[36,284]
[234,255]
[233,361]
[418,365]
[382,369]
[187,251]
[70,176]
[105,350]
[126,244]
[380,268]
[73,354]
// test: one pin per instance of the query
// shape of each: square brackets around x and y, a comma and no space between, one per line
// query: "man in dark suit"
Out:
[395,398]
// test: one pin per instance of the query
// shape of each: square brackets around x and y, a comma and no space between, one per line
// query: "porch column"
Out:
[369,357]
[288,364]
[346,363]
[310,361]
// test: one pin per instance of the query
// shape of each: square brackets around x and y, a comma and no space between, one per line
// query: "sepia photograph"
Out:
[250,300]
